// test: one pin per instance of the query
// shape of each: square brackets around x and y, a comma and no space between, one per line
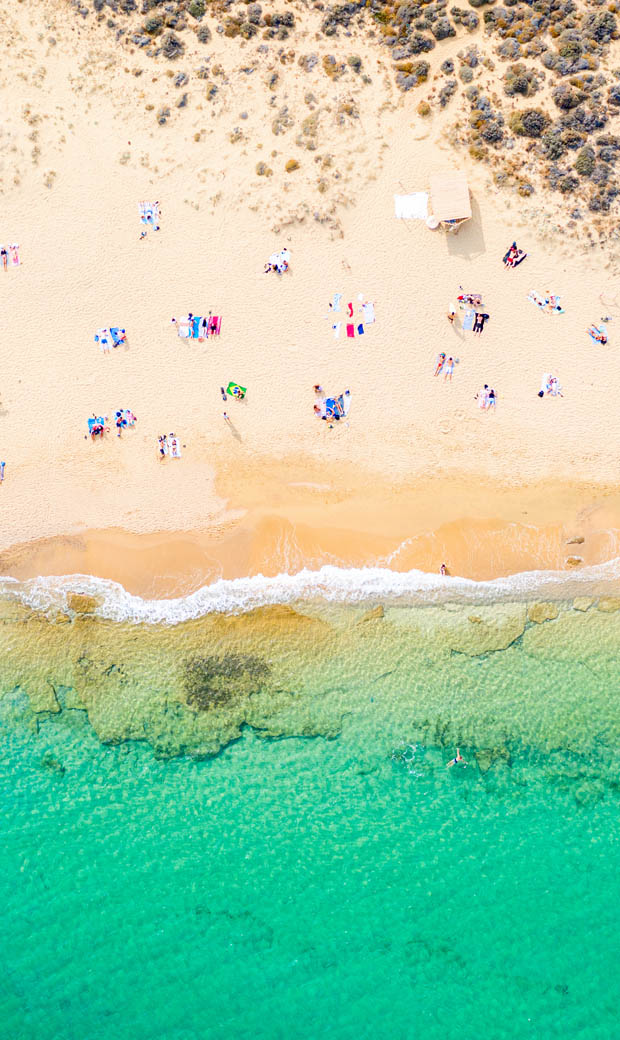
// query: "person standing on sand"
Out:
[458,760]
[443,570]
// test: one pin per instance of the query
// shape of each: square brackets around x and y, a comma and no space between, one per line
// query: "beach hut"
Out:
[449,202]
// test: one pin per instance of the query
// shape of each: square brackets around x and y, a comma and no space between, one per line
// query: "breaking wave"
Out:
[328,585]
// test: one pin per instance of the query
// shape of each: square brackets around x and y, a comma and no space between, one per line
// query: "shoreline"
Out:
[482,531]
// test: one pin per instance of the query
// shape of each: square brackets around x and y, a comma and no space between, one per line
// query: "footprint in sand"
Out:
[446,426]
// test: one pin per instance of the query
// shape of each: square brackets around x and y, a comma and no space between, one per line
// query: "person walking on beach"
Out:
[458,760]
[451,313]
[443,570]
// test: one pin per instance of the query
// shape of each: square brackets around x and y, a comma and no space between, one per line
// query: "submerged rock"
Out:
[82,604]
[540,612]
[609,604]
[582,603]
[489,629]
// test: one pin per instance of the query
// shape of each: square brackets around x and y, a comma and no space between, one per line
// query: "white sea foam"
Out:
[330,584]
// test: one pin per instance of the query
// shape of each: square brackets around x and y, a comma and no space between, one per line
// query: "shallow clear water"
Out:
[352,886]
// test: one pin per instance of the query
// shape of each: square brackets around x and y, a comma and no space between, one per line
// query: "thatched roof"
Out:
[449,197]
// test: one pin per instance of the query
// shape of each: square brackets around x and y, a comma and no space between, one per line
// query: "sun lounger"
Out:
[468,320]
[368,310]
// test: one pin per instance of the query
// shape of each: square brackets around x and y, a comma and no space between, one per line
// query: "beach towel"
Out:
[350,331]
[14,255]
[368,310]
[196,326]
[468,320]
[236,390]
[350,309]
[99,421]
[336,303]
[411,207]
[118,336]
[175,449]
[336,329]
[215,325]
[360,329]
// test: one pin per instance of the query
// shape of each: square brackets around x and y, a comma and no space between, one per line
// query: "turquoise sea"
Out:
[321,872]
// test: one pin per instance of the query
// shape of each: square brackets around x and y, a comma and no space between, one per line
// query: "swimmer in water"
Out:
[458,759]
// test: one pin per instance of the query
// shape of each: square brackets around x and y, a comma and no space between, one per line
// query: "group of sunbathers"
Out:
[197,327]
[123,418]
[12,254]
[278,262]
[332,409]
[445,365]
[514,256]
[547,302]
[149,215]
[486,398]
[107,337]
[169,445]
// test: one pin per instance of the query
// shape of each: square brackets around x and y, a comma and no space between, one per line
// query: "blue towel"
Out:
[196,327]
[360,329]
[468,320]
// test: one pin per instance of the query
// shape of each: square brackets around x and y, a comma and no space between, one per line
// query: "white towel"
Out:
[369,313]
[411,207]
[544,384]
[175,450]
[336,329]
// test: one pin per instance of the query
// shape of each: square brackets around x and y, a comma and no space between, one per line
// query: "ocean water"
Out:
[244,825]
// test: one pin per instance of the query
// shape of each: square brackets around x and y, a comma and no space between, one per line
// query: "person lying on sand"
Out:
[514,256]
[441,360]
[479,323]
[449,369]
[597,334]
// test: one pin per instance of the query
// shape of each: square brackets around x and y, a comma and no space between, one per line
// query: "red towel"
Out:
[350,306]
[351,331]
[215,324]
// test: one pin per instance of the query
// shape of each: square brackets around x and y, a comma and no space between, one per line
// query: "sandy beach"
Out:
[418,474]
